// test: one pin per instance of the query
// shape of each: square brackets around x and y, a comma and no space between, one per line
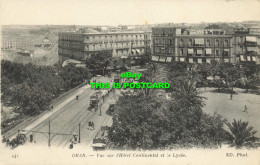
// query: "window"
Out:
[181,42]
[93,47]
[226,43]
[157,50]
[217,52]
[208,42]
[181,52]
[217,43]
[190,42]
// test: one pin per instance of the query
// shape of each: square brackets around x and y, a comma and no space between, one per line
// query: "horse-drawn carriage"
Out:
[18,140]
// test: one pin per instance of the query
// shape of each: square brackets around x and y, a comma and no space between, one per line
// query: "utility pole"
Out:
[100,109]
[79,132]
[49,141]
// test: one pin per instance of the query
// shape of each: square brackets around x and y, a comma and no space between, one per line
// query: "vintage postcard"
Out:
[130,82]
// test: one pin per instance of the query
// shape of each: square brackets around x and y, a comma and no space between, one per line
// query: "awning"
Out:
[155,58]
[199,51]
[242,58]
[199,41]
[226,50]
[250,39]
[133,51]
[226,60]
[199,60]
[253,58]
[169,59]
[182,59]
[251,49]
[99,145]
[208,51]
[190,51]
[162,59]
[190,60]
[248,58]
[138,51]
[208,60]
[123,57]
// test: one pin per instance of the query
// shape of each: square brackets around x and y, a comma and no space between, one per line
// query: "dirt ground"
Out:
[233,109]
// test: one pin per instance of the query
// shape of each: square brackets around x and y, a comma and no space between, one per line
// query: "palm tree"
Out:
[241,135]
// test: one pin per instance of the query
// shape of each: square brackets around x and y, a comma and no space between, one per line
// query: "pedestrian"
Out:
[93,126]
[89,124]
[245,110]
[4,139]
[231,96]
[7,142]
[75,137]
[71,144]
[31,137]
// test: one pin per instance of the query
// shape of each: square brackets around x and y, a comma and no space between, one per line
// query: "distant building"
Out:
[13,44]
[81,46]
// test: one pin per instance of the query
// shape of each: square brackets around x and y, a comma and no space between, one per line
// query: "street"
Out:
[64,121]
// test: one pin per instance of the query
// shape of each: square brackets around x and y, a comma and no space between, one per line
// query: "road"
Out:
[65,118]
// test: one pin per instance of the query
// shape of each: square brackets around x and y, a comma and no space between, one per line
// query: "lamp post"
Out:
[100,109]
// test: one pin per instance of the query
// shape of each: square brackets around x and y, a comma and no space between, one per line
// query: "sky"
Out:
[126,12]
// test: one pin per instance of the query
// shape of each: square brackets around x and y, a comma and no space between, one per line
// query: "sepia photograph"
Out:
[130,82]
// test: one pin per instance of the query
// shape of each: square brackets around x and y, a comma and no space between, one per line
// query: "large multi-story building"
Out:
[246,45]
[81,46]
[148,42]
[193,46]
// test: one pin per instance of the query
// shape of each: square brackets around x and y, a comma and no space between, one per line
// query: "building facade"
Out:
[205,45]
[81,46]
[7,44]
[148,42]
[192,46]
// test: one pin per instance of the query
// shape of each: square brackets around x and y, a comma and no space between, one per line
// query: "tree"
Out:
[31,88]
[99,62]
[205,70]
[227,73]
[250,76]
[241,135]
